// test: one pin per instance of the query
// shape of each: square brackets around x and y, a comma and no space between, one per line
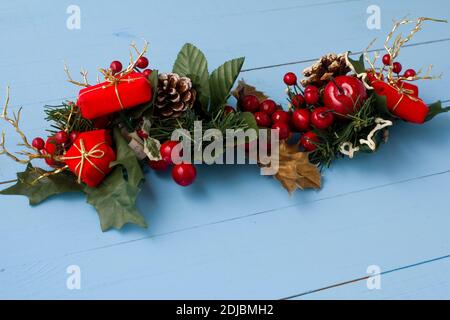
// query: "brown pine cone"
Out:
[328,67]
[174,95]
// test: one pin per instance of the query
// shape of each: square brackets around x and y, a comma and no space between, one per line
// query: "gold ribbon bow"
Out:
[85,156]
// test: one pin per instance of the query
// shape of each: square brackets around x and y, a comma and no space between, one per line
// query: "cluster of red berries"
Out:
[183,174]
[397,67]
[55,145]
[142,63]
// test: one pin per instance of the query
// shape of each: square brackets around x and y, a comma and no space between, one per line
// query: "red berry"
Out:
[167,149]
[311,88]
[229,109]
[263,119]
[73,136]
[38,143]
[159,165]
[280,116]
[250,103]
[309,141]
[283,129]
[387,59]
[298,101]
[410,73]
[184,174]
[142,134]
[61,137]
[147,72]
[322,118]
[290,79]
[301,119]
[116,66]
[311,97]
[396,67]
[268,106]
[142,63]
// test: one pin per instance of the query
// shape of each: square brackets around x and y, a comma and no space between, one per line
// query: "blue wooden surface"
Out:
[234,234]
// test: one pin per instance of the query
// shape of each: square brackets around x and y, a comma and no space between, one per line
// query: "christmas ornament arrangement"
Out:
[101,144]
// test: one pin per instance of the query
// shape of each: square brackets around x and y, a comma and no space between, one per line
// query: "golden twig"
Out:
[69,78]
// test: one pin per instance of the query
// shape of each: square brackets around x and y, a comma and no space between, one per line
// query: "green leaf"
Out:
[434,109]
[127,158]
[38,191]
[222,80]
[192,63]
[138,112]
[151,149]
[249,120]
[115,202]
[358,64]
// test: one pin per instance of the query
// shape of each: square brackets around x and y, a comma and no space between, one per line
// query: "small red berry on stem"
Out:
[262,119]
[397,67]
[73,136]
[116,66]
[280,115]
[268,106]
[229,109]
[61,137]
[290,79]
[142,63]
[184,174]
[309,141]
[283,129]
[250,103]
[387,59]
[312,97]
[301,119]
[147,72]
[38,143]
[297,101]
[167,149]
[410,73]
[322,118]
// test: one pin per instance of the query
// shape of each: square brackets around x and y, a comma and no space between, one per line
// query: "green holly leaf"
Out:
[127,158]
[358,64]
[192,63]
[151,149]
[115,202]
[222,80]
[434,109]
[38,191]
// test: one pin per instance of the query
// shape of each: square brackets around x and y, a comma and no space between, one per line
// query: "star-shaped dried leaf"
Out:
[243,89]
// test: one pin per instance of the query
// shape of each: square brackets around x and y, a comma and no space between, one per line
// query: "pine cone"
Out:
[329,66]
[174,95]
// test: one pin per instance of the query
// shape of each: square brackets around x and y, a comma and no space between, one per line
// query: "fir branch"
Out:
[66,117]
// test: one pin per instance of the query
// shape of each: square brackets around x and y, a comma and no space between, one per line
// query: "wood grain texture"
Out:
[234,234]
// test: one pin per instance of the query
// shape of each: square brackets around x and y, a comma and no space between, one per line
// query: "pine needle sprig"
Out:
[66,117]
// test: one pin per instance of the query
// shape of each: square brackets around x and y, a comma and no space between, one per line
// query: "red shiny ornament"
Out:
[268,106]
[397,67]
[387,59]
[142,63]
[61,137]
[184,174]
[298,101]
[410,73]
[116,66]
[147,72]
[283,129]
[166,151]
[301,119]
[262,119]
[280,116]
[38,143]
[229,109]
[309,141]
[250,103]
[345,95]
[322,118]
[159,165]
[290,79]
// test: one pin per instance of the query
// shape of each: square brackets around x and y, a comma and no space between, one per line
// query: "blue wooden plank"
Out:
[46,239]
